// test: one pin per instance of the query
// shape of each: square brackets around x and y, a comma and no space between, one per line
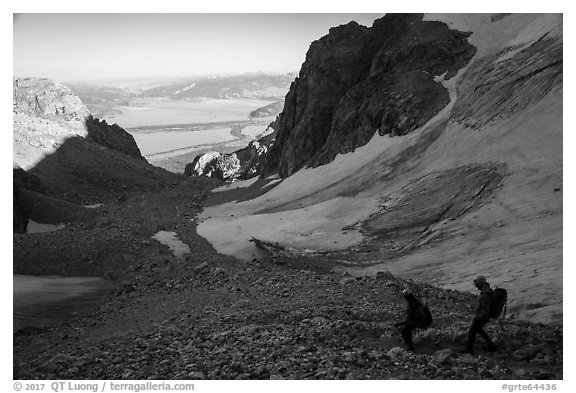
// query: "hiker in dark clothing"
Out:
[482,316]
[417,316]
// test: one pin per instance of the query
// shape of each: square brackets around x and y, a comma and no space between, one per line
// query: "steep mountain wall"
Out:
[357,80]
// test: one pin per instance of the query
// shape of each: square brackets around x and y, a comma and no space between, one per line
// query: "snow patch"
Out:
[170,239]
[37,227]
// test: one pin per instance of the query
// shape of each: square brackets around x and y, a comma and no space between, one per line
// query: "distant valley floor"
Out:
[171,133]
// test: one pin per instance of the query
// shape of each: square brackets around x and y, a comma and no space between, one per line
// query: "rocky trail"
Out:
[209,316]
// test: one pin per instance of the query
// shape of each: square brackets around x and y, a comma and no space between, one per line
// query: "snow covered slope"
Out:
[476,190]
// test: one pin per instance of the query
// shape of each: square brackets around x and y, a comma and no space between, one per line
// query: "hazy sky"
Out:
[91,46]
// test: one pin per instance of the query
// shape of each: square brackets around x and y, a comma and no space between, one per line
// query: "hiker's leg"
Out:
[472,335]
[407,336]
[485,336]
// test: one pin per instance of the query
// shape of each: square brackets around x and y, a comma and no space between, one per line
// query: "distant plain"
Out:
[170,133]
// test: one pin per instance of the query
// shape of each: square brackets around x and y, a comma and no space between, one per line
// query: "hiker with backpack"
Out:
[490,305]
[417,316]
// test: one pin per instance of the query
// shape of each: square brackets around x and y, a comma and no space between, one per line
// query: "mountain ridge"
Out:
[105,98]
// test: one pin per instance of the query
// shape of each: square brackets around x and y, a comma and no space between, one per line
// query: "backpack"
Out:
[499,301]
[423,316]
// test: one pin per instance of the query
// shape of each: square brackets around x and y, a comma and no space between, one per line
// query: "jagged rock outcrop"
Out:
[226,166]
[201,164]
[112,136]
[47,113]
[357,80]
[62,155]
[239,165]
[254,155]
[46,98]
[214,164]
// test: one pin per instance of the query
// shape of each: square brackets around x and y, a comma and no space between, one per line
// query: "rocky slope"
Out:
[209,316]
[47,113]
[466,193]
[63,155]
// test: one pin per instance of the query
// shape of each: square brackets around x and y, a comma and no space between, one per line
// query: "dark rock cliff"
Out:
[112,136]
[357,80]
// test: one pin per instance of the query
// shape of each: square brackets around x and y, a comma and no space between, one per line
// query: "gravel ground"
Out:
[210,316]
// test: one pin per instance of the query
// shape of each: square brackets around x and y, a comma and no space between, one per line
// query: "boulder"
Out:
[226,166]
[240,165]
[201,164]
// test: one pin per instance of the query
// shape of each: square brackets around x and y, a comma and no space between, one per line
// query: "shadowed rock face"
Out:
[63,156]
[20,221]
[358,80]
[113,137]
[22,180]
